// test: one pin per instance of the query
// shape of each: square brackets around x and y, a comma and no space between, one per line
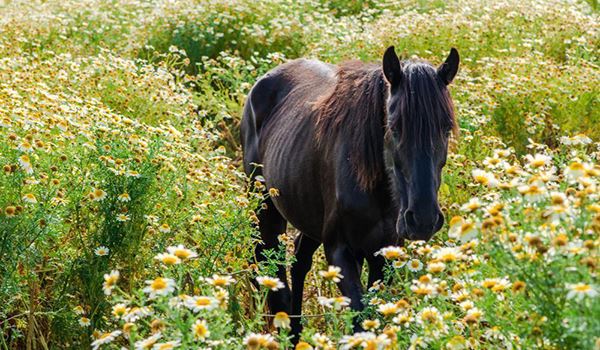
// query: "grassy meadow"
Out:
[126,221]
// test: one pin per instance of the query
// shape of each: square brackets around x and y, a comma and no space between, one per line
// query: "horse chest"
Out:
[360,221]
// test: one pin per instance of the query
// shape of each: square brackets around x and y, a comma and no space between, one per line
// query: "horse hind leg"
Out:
[271,225]
[305,247]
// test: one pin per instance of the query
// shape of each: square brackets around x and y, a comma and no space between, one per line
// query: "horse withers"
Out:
[356,152]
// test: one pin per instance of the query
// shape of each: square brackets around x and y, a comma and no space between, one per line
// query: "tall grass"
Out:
[100,99]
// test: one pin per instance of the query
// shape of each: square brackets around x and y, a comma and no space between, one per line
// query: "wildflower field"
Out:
[126,221]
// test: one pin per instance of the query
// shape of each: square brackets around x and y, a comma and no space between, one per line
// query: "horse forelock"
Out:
[426,111]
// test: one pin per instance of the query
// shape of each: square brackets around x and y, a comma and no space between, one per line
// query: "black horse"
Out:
[356,152]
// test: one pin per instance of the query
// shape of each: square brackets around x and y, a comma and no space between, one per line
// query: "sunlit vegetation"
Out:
[126,221]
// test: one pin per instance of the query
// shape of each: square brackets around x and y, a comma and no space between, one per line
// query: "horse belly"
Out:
[289,166]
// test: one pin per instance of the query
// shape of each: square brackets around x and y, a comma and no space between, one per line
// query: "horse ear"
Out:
[448,69]
[392,70]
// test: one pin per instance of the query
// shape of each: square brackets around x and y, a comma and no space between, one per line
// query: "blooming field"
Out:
[125,220]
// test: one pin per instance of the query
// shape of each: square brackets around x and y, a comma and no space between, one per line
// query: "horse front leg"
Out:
[350,286]
[376,265]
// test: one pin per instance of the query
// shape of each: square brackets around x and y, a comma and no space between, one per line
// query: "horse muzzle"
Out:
[415,228]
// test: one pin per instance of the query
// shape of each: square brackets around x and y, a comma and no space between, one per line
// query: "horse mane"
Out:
[355,108]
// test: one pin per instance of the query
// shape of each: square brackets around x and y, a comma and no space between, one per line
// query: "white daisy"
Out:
[110,281]
[198,303]
[182,252]
[159,286]
[333,273]
[272,283]
[200,330]
[102,251]
[414,265]
[105,338]
[580,290]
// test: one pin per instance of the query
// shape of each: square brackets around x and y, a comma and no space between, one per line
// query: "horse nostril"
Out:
[439,222]
[409,216]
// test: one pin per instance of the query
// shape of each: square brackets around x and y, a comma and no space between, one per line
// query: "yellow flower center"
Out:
[536,163]
[519,285]
[200,330]
[498,288]
[182,253]
[422,290]
[127,327]
[392,254]
[303,346]
[455,220]
[219,282]
[369,324]
[424,279]
[269,283]
[169,260]
[389,311]
[281,316]
[533,189]
[582,288]
[561,240]
[576,166]
[481,179]
[10,210]
[159,284]
[403,319]
[119,310]
[473,206]
[461,297]
[253,343]
[329,275]
[436,268]
[429,316]
[203,301]
[403,304]
[448,257]
[489,284]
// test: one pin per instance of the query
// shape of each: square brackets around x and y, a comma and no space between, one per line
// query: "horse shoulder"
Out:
[352,200]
